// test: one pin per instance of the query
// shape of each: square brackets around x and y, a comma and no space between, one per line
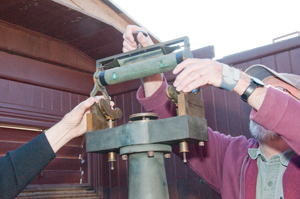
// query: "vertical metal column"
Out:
[147,174]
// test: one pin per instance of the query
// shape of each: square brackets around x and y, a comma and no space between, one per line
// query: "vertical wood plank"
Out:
[221,110]
[47,99]
[4,89]
[234,114]
[14,92]
[295,60]
[269,61]
[56,103]
[65,102]
[74,100]
[37,94]
[26,94]
[209,106]
[283,63]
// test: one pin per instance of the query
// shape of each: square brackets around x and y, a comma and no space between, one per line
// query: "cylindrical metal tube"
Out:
[147,176]
[142,69]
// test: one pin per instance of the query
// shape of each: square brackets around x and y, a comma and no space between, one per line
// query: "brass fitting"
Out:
[112,157]
[184,148]
[167,155]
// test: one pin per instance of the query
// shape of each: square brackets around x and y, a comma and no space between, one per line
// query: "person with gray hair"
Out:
[262,167]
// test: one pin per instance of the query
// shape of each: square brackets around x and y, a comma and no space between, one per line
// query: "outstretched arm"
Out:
[21,166]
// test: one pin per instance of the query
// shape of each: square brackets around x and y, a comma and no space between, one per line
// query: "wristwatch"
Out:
[255,83]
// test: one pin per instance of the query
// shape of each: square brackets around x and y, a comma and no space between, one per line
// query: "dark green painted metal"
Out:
[185,127]
[147,175]
[141,69]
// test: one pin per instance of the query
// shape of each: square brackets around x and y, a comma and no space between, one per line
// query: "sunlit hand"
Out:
[72,125]
[129,43]
[150,83]
[196,73]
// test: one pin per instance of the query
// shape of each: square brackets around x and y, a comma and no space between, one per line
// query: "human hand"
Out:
[196,73]
[150,83]
[72,125]
[129,43]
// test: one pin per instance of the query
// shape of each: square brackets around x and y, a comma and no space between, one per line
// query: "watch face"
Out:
[258,81]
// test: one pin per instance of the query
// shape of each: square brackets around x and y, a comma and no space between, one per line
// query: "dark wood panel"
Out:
[263,51]
[283,62]
[269,61]
[69,152]
[209,106]
[64,164]
[41,47]
[295,61]
[234,114]
[31,105]
[15,135]
[39,73]
[221,111]
[57,177]
[24,136]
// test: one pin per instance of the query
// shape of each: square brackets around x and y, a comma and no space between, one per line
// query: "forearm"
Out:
[280,113]
[152,83]
[58,136]
[20,167]
[257,97]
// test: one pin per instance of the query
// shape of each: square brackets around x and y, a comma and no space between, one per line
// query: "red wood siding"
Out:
[65,168]
[41,47]
[42,79]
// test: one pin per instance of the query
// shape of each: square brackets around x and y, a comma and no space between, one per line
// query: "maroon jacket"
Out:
[224,161]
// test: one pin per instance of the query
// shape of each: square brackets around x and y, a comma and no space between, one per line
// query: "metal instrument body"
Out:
[169,131]
[144,139]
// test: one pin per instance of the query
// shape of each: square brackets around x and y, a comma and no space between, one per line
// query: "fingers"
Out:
[129,43]
[184,64]
[144,41]
[81,108]
[190,78]
[98,97]
[112,104]
[128,46]
[196,73]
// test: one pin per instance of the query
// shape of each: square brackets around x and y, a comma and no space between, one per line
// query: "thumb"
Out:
[144,41]
[83,106]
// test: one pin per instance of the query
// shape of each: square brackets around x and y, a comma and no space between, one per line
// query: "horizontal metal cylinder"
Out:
[142,69]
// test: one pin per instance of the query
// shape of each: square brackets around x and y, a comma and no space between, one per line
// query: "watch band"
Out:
[249,90]
[230,77]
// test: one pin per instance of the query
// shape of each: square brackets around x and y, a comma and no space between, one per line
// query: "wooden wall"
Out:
[42,79]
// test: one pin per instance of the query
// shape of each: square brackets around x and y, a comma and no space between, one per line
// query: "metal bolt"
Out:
[150,154]
[201,143]
[167,155]
[124,157]
[183,148]
[112,157]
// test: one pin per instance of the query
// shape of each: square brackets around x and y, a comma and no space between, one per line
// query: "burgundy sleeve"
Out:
[280,113]
[158,102]
[207,161]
